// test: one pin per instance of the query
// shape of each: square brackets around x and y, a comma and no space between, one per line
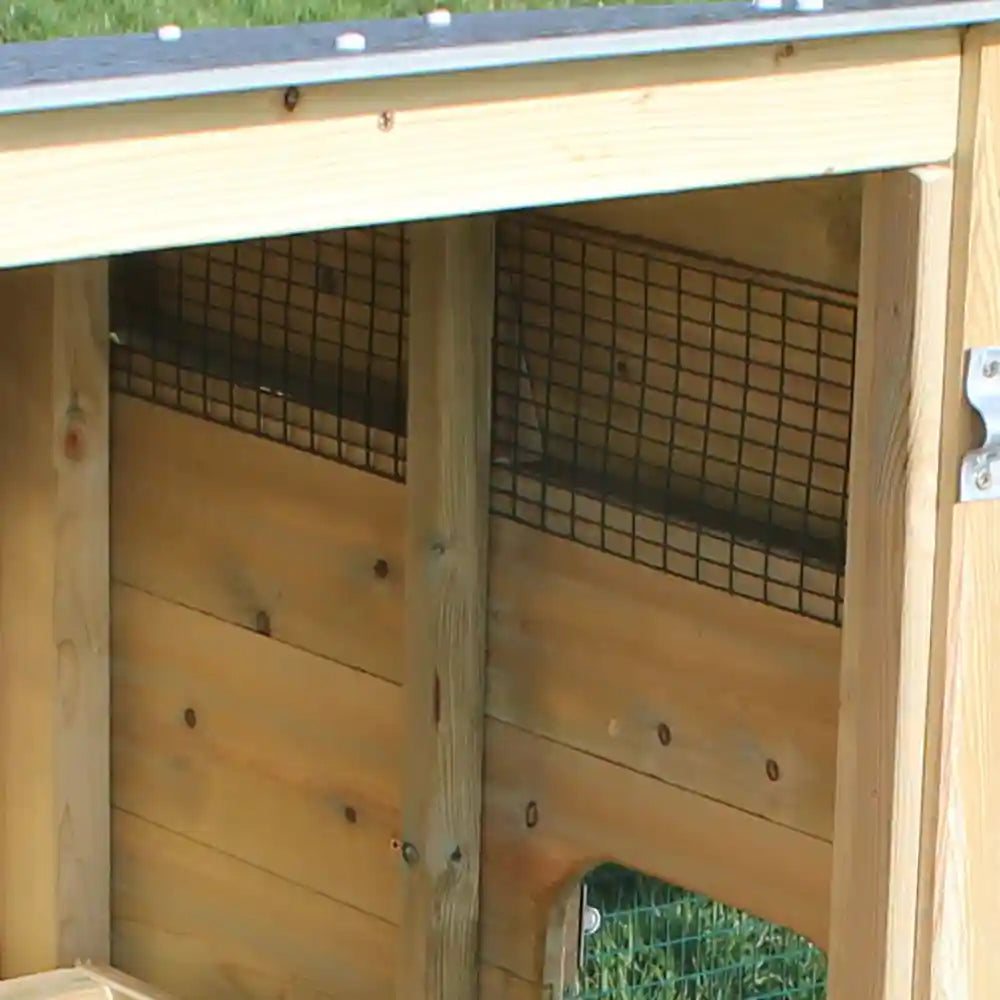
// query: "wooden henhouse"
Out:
[445,454]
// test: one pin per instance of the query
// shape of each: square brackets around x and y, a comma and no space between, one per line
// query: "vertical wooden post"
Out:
[561,972]
[54,615]
[892,519]
[448,460]
[959,928]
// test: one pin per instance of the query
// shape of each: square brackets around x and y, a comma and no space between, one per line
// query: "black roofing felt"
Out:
[73,72]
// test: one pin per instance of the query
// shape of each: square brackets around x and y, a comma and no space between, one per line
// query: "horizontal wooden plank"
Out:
[208,169]
[810,228]
[217,730]
[214,519]
[212,927]
[262,519]
[588,810]
[281,732]
[680,681]
[207,926]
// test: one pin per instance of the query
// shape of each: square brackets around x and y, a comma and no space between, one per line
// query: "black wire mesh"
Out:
[683,412]
[679,411]
[299,339]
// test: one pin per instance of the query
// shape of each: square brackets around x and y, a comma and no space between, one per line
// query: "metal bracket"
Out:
[980,473]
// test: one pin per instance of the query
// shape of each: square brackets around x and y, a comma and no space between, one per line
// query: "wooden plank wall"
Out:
[257,754]
[258,774]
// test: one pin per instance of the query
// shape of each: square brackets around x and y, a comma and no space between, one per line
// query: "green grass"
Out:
[661,943]
[30,20]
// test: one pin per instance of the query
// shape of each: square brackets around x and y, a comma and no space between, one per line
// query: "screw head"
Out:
[663,734]
[531,815]
[772,769]
[291,98]
[410,853]
[991,369]
[983,479]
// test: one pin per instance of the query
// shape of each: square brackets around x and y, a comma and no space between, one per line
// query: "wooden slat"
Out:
[301,737]
[211,927]
[810,228]
[298,540]
[447,490]
[216,730]
[889,589]
[204,924]
[216,168]
[54,616]
[256,529]
[674,679]
[305,533]
[588,810]
[957,952]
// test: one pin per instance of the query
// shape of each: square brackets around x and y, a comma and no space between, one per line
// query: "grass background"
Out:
[31,20]
[656,942]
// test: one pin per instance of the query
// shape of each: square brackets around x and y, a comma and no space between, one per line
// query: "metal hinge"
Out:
[980,473]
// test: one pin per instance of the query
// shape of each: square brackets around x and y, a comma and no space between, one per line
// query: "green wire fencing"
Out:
[659,942]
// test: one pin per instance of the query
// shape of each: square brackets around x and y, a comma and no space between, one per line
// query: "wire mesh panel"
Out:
[658,942]
[300,339]
[682,412]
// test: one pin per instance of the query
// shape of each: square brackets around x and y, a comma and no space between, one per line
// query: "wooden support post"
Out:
[959,927]
[561,973]
[54,616]
[448,459]
[892,516]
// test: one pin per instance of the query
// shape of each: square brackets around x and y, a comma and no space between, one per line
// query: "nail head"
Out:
[773,771]
[663,734]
